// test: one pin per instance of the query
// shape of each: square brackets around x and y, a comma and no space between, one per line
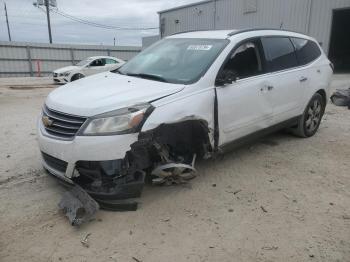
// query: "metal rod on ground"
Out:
[48,19]
[7,22]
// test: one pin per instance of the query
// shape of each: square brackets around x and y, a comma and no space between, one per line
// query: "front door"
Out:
[245,105]
[96,66]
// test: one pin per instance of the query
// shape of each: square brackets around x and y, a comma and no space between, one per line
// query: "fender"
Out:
[198,106]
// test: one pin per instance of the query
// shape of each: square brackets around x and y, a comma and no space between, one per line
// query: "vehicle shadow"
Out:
[211,169]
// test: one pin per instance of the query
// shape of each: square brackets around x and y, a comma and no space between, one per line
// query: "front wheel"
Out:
[310,121]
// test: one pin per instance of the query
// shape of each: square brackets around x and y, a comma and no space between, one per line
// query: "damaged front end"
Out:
[165,154]
[170,149]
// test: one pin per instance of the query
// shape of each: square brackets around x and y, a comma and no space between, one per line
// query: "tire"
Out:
[76,77]
[309,122]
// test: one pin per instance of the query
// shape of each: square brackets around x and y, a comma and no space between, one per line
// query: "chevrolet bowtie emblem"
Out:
[47,121]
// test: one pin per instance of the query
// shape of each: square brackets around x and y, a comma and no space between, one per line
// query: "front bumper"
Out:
[60,79]
[63,155]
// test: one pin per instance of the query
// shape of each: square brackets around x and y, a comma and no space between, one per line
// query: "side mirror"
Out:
[226,77]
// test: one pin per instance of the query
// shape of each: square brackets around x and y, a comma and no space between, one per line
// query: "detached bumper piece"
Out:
[99,186]
[341,98]
[78,206]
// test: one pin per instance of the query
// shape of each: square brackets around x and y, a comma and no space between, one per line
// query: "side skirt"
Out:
[256,135]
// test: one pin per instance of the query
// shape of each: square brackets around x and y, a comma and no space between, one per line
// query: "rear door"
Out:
[313,73]
[111,64]
[244,106]
[286,80]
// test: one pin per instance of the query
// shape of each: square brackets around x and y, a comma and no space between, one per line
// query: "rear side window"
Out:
[111,61]
[307,51]
[279,53]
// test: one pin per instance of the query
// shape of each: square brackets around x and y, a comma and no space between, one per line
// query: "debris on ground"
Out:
[269,248]
[78,206]
[263,209]
[237,191]
[346,217]
[137,260]
[341,98]
[85,241]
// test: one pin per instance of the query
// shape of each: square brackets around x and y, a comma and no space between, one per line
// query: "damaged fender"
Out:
[176,109]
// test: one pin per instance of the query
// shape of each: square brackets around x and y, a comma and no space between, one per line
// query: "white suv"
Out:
[191,94]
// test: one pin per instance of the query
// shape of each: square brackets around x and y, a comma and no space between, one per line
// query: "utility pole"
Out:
[7,21]
[48,19]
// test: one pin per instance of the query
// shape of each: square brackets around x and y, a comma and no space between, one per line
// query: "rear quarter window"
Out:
[307,51]
[279,53]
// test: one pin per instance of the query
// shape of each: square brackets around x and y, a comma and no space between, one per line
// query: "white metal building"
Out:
[326,20]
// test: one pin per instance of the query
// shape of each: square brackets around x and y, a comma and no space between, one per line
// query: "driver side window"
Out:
[245,61]
[98,62]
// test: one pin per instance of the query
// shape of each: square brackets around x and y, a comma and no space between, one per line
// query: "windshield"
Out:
[84,62]
[180,61]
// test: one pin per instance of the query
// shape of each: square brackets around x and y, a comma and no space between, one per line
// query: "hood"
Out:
[65,69]
[106,92]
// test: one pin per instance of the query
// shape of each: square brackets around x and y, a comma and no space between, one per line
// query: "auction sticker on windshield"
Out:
[199,47]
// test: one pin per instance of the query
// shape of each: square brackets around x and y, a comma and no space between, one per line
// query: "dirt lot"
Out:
[280,199]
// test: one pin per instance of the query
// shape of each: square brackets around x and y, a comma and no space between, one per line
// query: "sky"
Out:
[29,24]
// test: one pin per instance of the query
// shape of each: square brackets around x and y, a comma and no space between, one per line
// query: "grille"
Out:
[62,125]
[55,75]
[55,163]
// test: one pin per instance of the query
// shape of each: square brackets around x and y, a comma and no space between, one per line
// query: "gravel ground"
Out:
[279,199]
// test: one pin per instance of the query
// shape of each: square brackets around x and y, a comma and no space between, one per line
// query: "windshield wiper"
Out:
[116,71]
[149,76]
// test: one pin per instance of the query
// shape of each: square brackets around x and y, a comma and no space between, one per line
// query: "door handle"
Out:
[303,79]
[267,88]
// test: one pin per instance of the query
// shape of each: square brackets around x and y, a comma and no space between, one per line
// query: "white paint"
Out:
[245,106]
[106,92]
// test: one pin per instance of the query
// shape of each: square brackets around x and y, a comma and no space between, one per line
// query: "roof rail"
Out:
[190,31]
[258,29]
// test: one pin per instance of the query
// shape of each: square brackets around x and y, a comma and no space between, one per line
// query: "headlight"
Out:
[122,121]
[66,73]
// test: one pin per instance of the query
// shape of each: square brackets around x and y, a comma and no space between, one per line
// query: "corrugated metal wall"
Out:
[313,17]
[21,59]
[149,40]
[197,17]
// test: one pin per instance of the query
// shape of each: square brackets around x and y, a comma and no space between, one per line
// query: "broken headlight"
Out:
[118,122]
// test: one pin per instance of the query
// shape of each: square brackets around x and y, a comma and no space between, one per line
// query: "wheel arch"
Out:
[76,73]
[323,93]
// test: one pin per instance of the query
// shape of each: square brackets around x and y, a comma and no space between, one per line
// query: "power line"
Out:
[86,22]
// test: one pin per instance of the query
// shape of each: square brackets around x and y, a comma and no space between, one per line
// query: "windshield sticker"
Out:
[199,47]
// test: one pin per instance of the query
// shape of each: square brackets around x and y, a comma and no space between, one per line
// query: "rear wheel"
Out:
[76,77]
[310,121]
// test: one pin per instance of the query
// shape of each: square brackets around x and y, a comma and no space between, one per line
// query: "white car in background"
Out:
[87,67]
